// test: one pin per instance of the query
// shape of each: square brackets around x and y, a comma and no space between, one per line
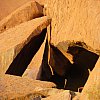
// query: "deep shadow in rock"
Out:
[60,65]
[45,73]
[84,62]
[76,73]
[22,60]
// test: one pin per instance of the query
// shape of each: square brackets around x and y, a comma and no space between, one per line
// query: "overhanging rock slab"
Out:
[13,40]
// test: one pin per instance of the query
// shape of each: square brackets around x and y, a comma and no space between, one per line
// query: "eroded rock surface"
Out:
[26,12]
[18,88]
[75,20]
[13,40]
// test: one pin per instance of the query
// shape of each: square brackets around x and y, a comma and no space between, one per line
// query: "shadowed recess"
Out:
[60,64]
[71,76]
[84,62]
[22,60]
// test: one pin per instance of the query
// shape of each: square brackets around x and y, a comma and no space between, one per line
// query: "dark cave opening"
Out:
[22,60]
[77,73]
[84,62]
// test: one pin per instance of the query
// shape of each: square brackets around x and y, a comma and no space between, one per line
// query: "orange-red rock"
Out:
[75,20]
[18,88]
[13,40]
[91,90]
[33,68]
[26,12]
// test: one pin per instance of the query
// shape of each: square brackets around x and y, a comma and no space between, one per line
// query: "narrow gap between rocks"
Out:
[22,60]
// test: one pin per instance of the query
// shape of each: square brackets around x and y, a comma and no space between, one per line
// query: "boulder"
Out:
[18,88]
[28,11]
[20,44]
[91,90]
[75,20]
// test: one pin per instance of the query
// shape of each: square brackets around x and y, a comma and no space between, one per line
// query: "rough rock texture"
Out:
[25,13]
[77,20]
[18,88]
[65,95]
[91,89]
[33,68]
[13,40]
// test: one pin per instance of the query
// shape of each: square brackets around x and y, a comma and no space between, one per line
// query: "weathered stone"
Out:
[75,20]
[65,95]
[7,7]
[49,91]
[91,90]
[58,61]
[18,88]
[13,40]
[25,13]
[34,67]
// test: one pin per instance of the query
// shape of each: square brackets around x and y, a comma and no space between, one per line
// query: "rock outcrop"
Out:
[75,20]
[13,40]
[26,12]
[18,88]
[91,89]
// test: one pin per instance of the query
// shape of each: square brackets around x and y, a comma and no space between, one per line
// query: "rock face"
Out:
[25,13]
[13,40]
[33,68]
[75,20]
[18,88]
[91,89]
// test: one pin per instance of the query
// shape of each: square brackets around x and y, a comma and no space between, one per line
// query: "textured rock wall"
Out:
[75,20]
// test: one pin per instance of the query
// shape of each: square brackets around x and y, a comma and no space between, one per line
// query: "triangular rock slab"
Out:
[33,68]
[91,90]
[18,88]
[13,40]
[26,12]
